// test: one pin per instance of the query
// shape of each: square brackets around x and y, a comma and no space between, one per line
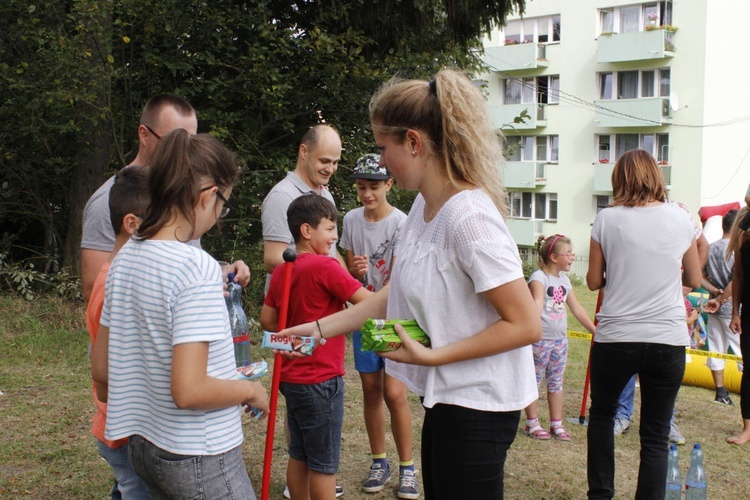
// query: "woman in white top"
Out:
[457,272]
[638,249]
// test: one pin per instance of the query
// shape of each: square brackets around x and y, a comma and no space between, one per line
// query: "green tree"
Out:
[75,73]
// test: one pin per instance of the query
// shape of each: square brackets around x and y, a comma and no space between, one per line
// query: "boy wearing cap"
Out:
[368,238]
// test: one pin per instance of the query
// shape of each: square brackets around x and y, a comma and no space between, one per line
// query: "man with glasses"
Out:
[161,114]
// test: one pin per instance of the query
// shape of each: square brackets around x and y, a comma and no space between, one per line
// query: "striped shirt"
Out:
[160,294]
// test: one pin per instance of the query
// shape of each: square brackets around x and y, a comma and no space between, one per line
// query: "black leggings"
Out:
[464,450]
[745,384]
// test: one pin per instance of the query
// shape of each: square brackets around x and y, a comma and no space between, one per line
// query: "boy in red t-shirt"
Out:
[313,386]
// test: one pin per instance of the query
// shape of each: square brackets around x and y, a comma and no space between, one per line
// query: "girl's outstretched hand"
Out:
[411,351]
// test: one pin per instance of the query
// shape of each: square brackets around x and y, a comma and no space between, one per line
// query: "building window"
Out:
[656,144]
[634,18]
[533,30]
[601,202]
[539,148]
[543,206]
[634,84]
[533,90]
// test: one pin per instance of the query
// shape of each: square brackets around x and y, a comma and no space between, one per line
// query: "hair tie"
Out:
[433,87]
[552,245]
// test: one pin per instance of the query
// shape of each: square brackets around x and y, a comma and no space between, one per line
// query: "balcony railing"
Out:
[643,112]
[524,231]
[518,57]
[524,174]
[524,116]
[638,46]
[603,176]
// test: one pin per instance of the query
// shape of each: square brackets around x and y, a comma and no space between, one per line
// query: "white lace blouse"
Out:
[440,271]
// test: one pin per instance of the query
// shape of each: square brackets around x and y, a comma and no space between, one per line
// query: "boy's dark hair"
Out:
[728,220]
[128,195]
[309,209]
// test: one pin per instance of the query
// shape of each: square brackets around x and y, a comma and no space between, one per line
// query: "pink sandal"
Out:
[560,434]
[536,432]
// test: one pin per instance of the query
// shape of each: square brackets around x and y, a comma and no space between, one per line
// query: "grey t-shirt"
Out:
[719,270]
[643,249]
[275,205]
[374,239]
[97,227]
[554,312]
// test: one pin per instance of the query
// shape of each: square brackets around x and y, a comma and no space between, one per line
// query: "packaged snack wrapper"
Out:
[378,334]
[304,345]
[252,371]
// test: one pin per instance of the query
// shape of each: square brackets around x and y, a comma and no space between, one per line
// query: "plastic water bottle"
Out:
[238,323]
[695,481]
[674,477]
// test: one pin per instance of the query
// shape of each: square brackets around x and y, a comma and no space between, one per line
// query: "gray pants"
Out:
[172,476]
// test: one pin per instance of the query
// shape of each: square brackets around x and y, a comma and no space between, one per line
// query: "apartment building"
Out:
[576,83]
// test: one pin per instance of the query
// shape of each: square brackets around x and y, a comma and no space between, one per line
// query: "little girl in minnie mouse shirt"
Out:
[551,291]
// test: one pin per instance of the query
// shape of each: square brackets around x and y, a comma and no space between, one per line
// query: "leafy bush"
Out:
[24,280]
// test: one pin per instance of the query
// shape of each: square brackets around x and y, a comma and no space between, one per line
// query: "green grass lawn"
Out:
[47,451]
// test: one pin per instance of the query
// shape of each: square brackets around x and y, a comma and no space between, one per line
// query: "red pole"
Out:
[582,417]
[289,257]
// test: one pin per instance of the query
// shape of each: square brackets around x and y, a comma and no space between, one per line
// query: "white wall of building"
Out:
[710,164]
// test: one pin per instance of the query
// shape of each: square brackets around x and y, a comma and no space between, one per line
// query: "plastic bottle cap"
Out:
[230,277]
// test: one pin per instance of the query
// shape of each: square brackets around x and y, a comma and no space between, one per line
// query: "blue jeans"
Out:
[660,368]
[315,413]
[168,475]
[625,403]
[464,450]
[127,482]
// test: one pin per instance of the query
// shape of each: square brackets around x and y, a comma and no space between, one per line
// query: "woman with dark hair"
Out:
[639,248]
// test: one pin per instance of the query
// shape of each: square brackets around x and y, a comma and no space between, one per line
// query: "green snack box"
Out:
[378,335]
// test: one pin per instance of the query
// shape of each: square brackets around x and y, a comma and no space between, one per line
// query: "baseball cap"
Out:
[369,167]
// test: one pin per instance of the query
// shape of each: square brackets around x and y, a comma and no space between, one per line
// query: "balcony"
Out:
[639,46]
[519,57]
[524,174]
[524,231]
[526,116]
[603,176]
[644,112]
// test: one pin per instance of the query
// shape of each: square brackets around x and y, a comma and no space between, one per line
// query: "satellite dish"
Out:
[674,103]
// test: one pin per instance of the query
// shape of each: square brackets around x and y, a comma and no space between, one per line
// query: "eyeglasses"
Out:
[228,207]
[151,130]
[567,254]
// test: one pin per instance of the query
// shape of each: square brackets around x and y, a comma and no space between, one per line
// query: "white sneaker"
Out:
[621,426]
[339,491]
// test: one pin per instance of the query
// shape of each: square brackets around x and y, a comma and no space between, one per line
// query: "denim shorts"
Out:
[168,475]
[316,415]
[365,361]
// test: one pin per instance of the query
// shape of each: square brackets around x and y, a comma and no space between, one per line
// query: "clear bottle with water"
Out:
[238,323]
[695,481]
[674,477]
